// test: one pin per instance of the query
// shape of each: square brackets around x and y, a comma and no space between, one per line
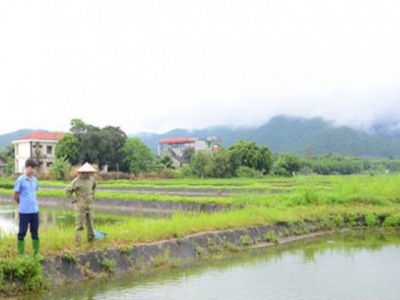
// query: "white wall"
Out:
[21,155]
[24,152]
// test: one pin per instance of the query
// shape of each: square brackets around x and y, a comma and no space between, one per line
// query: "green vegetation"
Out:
[137,157]
[328,202]
[334,201]
[108,264]
[20,275]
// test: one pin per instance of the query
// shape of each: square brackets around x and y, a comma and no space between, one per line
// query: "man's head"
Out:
[86,170]
[86,174]
[30,166]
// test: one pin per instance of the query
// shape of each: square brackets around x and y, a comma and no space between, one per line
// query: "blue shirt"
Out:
[26,188]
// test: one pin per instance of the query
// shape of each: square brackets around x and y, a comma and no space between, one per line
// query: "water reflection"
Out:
[8,220]
[353,265]
[48,218]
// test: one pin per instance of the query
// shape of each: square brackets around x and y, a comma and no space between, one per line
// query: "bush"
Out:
[114,175]
[371,220]
[60,169]
[246,172]
[186,171]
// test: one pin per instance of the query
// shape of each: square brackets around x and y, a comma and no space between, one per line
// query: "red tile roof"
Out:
[178,140]
[52,136]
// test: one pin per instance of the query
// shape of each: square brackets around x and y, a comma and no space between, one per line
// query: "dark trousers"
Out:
[33,221]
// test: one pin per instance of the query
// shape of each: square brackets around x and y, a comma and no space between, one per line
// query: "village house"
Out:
[39,146]
[175,147]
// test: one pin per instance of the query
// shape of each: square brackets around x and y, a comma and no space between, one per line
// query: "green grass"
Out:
[329,200]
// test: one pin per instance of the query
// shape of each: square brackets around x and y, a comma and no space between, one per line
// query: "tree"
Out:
[68,148]
[61,168]
[287,165]
[78,127]
[137,156]
[8,154]
[221,164]
[112,141]
[90,147]
[100,146]
[249,154]
[166,161]
[188,153]
[201,164]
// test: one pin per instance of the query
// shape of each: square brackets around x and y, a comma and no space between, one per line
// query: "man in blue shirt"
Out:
[25,195]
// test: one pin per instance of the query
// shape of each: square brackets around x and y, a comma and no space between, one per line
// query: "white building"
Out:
[175,147]
[39,146]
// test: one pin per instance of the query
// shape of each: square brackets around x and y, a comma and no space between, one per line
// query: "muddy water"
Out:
[352,265]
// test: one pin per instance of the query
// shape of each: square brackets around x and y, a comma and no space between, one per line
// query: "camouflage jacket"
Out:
[83,188]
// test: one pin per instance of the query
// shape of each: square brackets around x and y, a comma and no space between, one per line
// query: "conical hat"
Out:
[86,168]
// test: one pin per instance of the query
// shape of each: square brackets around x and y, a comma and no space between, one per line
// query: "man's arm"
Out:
[16,197]
[70,191]
[17,189]
[94,188]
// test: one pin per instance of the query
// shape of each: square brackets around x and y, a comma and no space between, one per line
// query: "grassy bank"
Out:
[344,197]
[331,202]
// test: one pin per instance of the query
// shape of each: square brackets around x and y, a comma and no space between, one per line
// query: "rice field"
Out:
[333,201]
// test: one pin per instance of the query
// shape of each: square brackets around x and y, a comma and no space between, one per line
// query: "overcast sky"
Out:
[157,65]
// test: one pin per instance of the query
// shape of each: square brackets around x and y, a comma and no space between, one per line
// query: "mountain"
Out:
[286,134]
[7,138]
[388,128]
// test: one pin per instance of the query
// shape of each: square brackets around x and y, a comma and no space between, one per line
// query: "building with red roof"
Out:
[39,146]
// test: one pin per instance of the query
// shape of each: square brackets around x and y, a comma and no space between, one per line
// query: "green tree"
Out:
[78,127]
[8,154]
[137,156]
[221,164]
[201,164]
[90,146]
[188,153]
[68,148]
[249,154]
[287,165]
[112,139]
[166,161]
[61,168]
[101,146]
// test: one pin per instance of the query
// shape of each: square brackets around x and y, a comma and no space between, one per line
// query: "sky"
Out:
[152,66]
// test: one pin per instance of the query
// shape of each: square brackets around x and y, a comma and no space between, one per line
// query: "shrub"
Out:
[246,172]
[371,220]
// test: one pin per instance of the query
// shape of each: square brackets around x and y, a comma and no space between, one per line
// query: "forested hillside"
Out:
[296,135]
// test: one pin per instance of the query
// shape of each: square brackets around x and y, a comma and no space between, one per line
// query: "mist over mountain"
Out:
[287,134]
[388,128]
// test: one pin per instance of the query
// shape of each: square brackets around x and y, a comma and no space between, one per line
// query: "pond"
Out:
[56,217]
[350,265]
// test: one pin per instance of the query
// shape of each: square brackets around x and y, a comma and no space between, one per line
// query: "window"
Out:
[49,164]
[49,149]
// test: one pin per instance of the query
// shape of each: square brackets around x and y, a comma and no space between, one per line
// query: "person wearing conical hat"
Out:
[81,191]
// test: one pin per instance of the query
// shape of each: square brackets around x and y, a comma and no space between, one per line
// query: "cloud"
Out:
[156,65]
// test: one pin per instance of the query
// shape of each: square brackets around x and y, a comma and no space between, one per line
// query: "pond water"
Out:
[55,217]
[350,265]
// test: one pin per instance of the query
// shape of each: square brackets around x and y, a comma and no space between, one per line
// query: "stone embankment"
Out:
[68,268]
